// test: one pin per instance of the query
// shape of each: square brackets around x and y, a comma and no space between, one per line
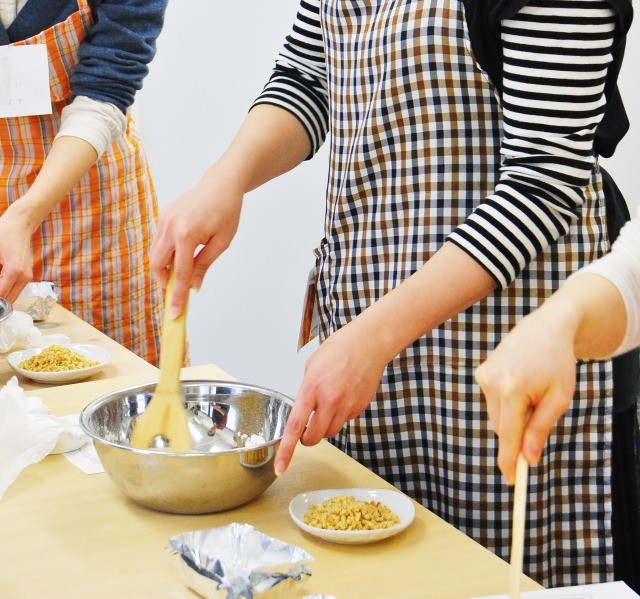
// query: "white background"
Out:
[213,59]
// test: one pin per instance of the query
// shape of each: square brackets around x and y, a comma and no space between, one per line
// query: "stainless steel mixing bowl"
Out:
[6,309]
[214,476]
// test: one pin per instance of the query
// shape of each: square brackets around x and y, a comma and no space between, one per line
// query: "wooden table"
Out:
[65,534]
[60,320]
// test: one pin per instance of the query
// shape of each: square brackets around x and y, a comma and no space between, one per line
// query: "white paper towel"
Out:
[28,433]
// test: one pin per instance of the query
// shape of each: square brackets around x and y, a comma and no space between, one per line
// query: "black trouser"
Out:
[625,470]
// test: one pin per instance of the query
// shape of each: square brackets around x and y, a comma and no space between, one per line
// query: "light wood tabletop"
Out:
[61,320]
[66,534]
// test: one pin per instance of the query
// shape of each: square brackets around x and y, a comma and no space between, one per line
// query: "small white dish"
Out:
[397,502]
[91,352]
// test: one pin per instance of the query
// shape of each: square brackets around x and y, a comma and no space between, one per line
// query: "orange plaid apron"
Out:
[94,246]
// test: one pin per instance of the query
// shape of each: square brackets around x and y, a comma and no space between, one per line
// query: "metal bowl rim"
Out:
[92,406]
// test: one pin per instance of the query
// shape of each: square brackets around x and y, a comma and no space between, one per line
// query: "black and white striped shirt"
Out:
[556,54]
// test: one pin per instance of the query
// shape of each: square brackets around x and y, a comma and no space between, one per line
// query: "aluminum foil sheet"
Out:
[238,562]
[37,300]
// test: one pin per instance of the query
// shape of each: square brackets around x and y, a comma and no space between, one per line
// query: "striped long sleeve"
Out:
[556,54]
[299,81]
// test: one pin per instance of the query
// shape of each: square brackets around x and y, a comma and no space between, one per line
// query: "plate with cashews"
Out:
[352,516]
[56,364]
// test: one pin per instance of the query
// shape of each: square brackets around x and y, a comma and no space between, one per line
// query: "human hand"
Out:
[340,380]
[15,252]
[528,383]
[192,233]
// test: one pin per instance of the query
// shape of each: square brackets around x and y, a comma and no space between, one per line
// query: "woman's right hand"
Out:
[15,252]
[197,227]
[530,378]
[193,231]
[528,383]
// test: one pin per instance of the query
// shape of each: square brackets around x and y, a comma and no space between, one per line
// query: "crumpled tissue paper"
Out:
[28,433]
[18,330]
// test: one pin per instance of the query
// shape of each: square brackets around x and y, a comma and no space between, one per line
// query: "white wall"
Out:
[213,59]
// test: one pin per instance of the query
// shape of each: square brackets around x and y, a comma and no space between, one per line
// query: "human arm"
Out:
[198,226]
[342,375]
[112,63]
[529,380]
[553,85]
[88,127]
[114,59]
[552,107]
[68,159]
[286,124]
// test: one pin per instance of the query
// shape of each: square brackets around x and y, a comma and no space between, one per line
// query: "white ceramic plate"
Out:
[394,500]
[91,352]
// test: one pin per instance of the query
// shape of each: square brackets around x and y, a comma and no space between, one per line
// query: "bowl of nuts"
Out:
[352,516]
[56,364]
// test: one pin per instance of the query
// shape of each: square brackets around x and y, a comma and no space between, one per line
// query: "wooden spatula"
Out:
[517,530]
[165,414]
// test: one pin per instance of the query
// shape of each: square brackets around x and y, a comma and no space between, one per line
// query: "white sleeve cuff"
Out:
[621,266]
[98,123]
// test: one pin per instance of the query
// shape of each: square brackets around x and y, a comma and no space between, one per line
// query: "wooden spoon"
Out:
[165,417]
[517,531]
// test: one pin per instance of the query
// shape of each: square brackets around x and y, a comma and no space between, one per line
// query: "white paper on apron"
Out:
[24,81]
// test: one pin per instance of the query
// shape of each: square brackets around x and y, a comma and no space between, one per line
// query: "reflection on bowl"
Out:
[219,473]
[6,309]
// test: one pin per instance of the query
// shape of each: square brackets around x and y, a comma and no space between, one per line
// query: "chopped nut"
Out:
[56,358]
[344,512]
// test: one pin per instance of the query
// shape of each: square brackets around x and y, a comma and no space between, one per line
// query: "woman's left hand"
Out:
[340,380]
[342,376]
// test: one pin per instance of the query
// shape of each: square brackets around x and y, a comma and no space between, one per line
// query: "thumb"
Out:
[541,422]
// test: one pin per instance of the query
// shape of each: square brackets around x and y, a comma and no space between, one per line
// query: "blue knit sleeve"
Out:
[115,56]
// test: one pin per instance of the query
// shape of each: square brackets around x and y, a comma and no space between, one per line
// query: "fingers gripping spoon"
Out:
[163,424]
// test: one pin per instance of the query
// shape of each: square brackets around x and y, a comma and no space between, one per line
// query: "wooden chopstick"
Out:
[517,531]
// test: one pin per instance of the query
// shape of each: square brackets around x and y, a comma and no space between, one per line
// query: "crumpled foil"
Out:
[37,300]
[238,562]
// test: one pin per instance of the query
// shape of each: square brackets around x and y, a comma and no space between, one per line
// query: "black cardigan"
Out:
[483,21]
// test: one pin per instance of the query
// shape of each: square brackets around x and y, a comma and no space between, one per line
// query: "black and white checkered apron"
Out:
[415,141]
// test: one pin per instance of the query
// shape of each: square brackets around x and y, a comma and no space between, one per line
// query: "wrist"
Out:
[231,173]
[26,213]
[561,315]
[224,175]
[377,336]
